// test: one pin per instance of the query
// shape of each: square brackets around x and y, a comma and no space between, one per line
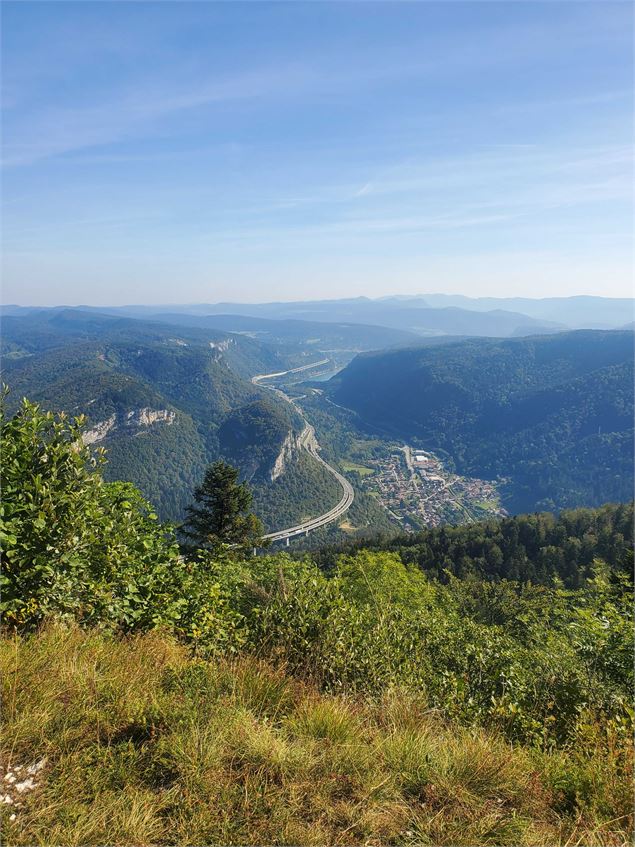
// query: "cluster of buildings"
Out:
[419,492]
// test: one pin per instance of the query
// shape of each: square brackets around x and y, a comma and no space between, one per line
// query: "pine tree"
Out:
[221,516]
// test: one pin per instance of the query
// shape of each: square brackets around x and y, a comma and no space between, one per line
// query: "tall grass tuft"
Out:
[147,745]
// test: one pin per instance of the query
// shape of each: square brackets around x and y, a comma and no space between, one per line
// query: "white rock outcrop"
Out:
[146,417]
[99,431]
[290,444]
[134,418]
[221,345]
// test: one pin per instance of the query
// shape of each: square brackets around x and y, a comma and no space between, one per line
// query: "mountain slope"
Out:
[552,414]
[579,312]
[53,328]
[165,401]
[338,336]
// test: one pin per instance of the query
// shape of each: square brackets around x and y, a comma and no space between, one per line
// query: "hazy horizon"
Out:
[166,153]
[238,302]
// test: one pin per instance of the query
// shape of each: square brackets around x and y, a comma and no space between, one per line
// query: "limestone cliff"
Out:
[291,443]
[134,419]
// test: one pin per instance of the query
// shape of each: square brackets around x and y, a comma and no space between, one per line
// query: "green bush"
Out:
[76,547]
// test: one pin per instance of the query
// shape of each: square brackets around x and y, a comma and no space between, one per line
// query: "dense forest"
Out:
[251,436]
[549,416]
[306,489]
[48,329]
[542,549]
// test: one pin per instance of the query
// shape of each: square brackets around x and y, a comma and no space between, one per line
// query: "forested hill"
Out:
[163,400]
[539,548]
[49,329]
[553,414]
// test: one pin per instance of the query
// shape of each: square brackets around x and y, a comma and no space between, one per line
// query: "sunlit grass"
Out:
[362,470]
[147,745]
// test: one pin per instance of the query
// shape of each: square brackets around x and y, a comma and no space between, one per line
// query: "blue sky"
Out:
[196,152]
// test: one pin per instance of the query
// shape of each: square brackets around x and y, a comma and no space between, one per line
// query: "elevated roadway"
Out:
[310,443]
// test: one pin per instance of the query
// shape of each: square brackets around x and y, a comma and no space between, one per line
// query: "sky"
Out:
[180,152]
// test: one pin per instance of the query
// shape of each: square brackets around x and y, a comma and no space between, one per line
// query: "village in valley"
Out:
[418,491]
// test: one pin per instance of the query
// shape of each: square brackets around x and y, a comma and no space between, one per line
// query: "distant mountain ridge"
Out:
[390,314]
[570,310]
[420,314]
[577,312]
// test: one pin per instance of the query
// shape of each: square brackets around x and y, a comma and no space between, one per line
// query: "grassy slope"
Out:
[147,745]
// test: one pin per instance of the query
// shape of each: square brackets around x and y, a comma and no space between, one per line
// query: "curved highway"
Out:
[311,445]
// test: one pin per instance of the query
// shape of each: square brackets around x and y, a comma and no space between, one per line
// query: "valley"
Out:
[549,417]
[419,492]
[415,489]
[337,438]
[412,487]
[309,442]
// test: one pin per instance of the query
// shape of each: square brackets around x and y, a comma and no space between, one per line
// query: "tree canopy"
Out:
[220,515]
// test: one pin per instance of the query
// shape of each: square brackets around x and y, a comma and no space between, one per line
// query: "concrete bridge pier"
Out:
[287,540]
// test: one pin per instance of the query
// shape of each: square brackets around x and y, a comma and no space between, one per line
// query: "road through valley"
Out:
[310,443]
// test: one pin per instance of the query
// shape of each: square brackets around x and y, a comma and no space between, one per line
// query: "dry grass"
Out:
[146,745]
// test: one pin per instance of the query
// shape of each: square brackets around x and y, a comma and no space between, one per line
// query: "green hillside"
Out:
[120,373]
[45,329]
[539,548]
[337,336]
[251,436]
[552,415]
[153,695]
[288,485]
[306,489]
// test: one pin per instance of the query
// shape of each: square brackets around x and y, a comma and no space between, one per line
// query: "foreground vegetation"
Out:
[146,744]
[205,696]
[541,549]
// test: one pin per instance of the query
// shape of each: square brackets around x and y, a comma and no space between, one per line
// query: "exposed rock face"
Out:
[146,417]
[99,431]
[291,443]
[134,418]
[221,345]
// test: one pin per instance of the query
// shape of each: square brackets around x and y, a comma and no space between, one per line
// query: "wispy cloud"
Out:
[292,134]
[33,133]
[61,130]
[486,191]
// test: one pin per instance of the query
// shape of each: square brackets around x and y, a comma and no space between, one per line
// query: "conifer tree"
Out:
[220,515]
